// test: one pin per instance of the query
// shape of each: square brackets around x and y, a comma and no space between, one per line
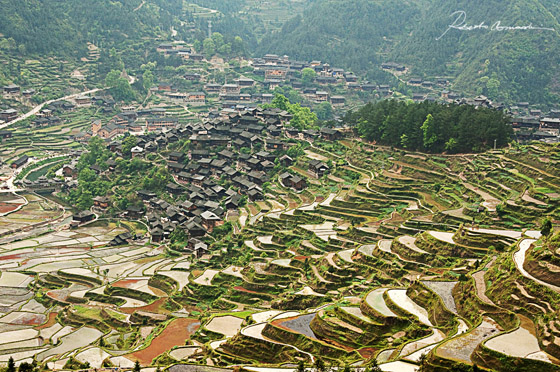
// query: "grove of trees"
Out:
[431,127]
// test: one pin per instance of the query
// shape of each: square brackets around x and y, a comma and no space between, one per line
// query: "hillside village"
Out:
[232,219]
[330,91]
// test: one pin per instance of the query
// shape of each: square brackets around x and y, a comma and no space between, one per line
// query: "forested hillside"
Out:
[352,34]
[64,27]
[506,65]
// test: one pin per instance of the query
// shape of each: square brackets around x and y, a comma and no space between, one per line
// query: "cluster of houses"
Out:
[130,120]
[231,158]
[534,126]
[13,92]
[275,71]
[279,71]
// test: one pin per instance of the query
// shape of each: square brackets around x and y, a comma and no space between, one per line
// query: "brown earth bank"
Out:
[175,334]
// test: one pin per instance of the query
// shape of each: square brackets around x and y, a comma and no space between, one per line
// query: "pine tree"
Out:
[11,365]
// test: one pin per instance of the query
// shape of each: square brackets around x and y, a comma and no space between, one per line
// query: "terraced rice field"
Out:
[342,271]
[461,347]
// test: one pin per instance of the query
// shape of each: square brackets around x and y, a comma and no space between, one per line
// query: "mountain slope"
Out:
[509,65]
[64,26]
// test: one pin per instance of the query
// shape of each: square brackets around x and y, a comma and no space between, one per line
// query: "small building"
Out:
[8,115]
[196,99]
[275,74]
[321,96]
[102,202]
[11,90]
[192,76]
[20,162]
[83,101]
[550,123]
[174,189]
[5,134]
[338,101]
[157,235]
[69,170]
[210,220]
[176,156]
[330,134]
[230,88]
[134,212]
[245,82]
[317,168]
[293,181]
[136,151]
[83,217]
[212,88]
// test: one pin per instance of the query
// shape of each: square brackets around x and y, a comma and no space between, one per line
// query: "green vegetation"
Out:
[431,127]
[360,35]
[30,23]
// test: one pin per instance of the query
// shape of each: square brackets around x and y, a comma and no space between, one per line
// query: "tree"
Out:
[127,145]
[546,228]
[238,46]
[428,131]
[136,367]
[112,78]
[147,79]
[493,88]
[208,47]
[308,76]
[451,145]
[25,367]
[374,366]
[225,50]
[404,141]
[324,111]
[301,366]
[85,200]
[218,40]
[280,102]
[122,90]
[11,365]
[197,46]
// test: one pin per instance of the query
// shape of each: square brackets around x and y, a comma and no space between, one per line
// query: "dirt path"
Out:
[318,276]
[409,242]
[139,6]
[481,284]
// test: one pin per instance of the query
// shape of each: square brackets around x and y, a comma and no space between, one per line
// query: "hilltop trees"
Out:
[431,127]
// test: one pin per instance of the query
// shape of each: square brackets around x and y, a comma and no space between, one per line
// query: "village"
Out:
[209,225]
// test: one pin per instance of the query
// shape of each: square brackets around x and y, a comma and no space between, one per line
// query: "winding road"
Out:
[39,107]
